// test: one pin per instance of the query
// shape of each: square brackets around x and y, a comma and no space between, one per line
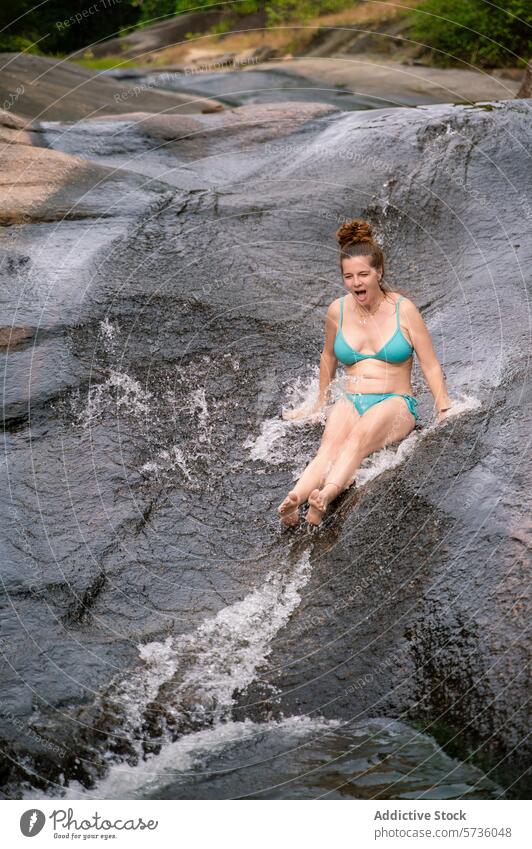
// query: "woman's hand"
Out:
[303,412]
[443,414]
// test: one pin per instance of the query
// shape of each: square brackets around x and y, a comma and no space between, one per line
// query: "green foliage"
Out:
[248,7]
[153,11]
[62,26]
[230,20]
[16,44]
[223,26]
[480,32]
[484,34]
[277,11]
[285,11]
[192,5]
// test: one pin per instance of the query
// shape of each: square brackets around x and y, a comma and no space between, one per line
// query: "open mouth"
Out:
[359,293]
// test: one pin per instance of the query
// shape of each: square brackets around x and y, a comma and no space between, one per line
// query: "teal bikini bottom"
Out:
[363,401]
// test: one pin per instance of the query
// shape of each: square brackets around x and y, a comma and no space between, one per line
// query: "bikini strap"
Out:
[342,309]
[399,299]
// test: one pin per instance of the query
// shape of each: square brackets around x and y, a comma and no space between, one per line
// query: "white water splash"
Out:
[119,390]
[183,755]
[205,669]
[385,459]
[461,404]
[109,333]
[233,360]
[265,446]
[198,403]
[219,658]
[271,445]
[303,391]
[167,461]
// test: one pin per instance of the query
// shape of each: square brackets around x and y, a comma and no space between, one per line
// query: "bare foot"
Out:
[319,500]
[288,509]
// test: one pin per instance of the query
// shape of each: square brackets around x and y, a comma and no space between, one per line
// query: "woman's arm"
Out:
[328,361]
[426,355]
[328,364]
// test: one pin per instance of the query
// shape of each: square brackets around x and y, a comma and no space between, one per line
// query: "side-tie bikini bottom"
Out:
[363,401]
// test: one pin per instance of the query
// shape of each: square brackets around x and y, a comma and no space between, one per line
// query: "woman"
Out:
[374,333]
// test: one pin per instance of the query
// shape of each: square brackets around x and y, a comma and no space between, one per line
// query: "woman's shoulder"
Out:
[406,302]
[333,310]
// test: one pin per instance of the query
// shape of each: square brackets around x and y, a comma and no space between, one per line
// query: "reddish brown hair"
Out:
[355,238]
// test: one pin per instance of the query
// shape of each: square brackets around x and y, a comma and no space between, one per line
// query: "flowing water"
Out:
[163,637]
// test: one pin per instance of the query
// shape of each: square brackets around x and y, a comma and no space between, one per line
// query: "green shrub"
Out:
[223,26]
[285,11]
[153,11]
[62,26]
[17,44]
[475,31]
[247,7]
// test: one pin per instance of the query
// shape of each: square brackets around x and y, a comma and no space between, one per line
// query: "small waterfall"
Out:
[191,680]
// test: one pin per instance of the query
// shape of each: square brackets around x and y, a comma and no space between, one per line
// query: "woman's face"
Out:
[361,279]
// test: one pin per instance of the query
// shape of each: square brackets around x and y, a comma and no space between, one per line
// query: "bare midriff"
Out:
[376,376]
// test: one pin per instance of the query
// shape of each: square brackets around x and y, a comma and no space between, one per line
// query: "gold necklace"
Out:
[365,320]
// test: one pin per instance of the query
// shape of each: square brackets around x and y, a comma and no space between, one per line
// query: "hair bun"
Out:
[354,231]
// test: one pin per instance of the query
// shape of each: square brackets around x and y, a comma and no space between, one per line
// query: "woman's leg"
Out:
[386,422]
[340,422]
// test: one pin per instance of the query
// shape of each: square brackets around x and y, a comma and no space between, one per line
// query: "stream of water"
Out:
[164,637]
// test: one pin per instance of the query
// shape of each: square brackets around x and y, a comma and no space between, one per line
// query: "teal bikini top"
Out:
[396,350]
